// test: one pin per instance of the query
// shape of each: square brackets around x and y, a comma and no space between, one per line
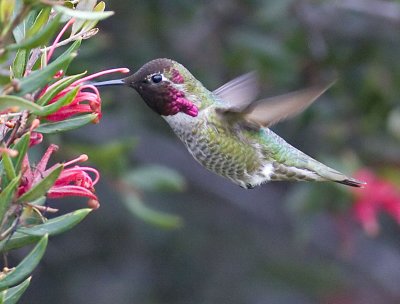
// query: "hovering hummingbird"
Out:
[226,130]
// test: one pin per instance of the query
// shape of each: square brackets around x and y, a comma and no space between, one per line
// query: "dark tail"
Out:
[352,182]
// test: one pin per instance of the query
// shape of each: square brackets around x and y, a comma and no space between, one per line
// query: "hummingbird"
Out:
[227,130]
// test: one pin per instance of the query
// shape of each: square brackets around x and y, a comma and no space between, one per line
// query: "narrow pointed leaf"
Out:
[24,236]
[66,125]
[19,32]
[157,218]
[85,5]
[8,101]
[86,15]
[27,265]
[8,166]
[55,106]
[7,194]
[88,25]
[57,225]
[156,178]
[39,78]
[40,38]
[13,294]
[61,85]
[19,63]
[40,21]
[43,186]
[17,240]
[21,146]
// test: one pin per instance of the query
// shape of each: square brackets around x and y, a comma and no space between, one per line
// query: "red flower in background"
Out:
[377,196]
[73,181]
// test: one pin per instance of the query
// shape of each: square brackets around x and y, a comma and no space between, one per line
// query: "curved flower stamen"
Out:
[58,38]
[72,181]
[87,100]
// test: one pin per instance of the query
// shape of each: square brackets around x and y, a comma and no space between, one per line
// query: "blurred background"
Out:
[169,231]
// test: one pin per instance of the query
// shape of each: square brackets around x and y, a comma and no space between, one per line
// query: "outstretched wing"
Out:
[239,94]
[269,111]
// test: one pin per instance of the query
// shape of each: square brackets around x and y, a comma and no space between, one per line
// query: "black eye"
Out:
[156,78]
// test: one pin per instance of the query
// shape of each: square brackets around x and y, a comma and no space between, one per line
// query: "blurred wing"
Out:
[269,111]
[238,93]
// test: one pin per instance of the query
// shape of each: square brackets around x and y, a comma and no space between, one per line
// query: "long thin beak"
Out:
[115,82]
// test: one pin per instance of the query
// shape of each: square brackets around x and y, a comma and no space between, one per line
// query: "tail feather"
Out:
[352,182]
[336,176]
[328,174]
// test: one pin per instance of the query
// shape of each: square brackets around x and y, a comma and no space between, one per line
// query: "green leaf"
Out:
[19,63]
[40,21]
[53,226]
[8,167]
[86,15]
[88,25]
[21,146]
[13,294]
[20,31]
[84,5]
[8,101]
[55,106]
[57,225]
[157,218]
[61,85]
[66,125]
[27,265]
[43,186]
[7,194]
[17,240]
[40,38]
[155,178]
[39,78]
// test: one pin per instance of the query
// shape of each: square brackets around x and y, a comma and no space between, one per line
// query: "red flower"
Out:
[73,181]
[87,99]
[378,195]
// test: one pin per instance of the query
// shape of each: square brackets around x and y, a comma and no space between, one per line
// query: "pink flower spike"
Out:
[58,38]
[98,74]
[81,158]
[72,181]
[68,111]
[41,166]
[71,190]
[87,100]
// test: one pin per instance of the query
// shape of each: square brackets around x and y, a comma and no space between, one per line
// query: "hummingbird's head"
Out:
[165,87]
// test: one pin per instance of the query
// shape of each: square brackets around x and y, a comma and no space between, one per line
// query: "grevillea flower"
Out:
[73,180]
[377,196]
[87,99]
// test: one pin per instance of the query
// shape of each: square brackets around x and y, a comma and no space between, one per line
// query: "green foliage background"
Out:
[281,243]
